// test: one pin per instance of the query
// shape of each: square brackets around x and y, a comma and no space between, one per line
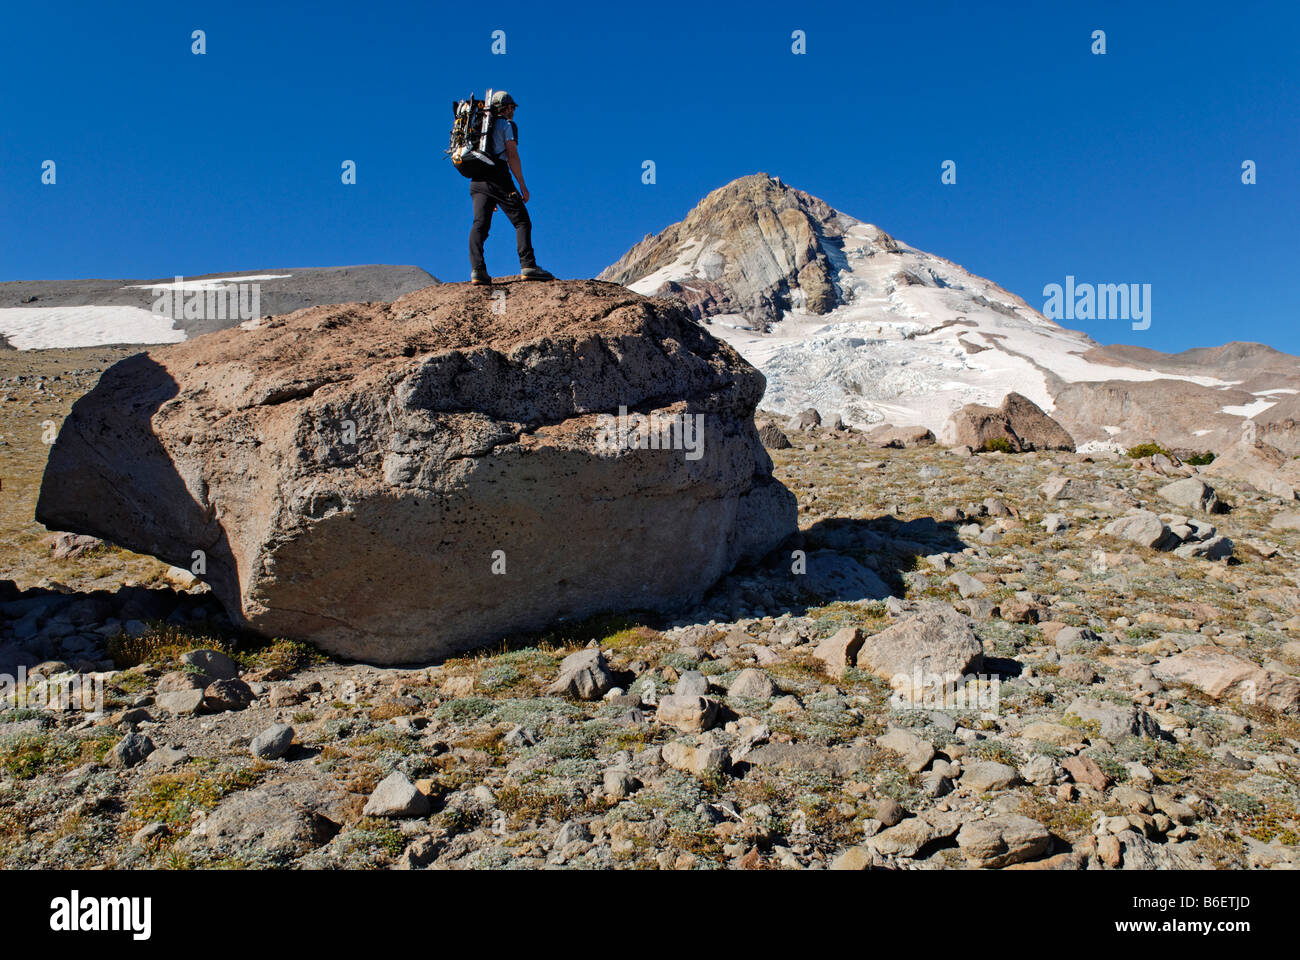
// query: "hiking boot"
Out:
[536,273]
[480,278]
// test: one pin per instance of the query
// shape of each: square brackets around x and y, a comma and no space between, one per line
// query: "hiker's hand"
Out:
[523,193]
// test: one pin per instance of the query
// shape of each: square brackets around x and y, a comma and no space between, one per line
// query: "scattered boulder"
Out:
[753,683]
[703,760]
[772,437]
[688,714]
[583,675]
[181,703]
[1194,494]
[273,742]
[1259,465]
[1222,675]
[396,796]
[888,435]
[1019,423]
[227,695]
[1002,840]
[936,642]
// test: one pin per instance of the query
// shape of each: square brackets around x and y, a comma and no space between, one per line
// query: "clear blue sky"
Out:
[1117,168]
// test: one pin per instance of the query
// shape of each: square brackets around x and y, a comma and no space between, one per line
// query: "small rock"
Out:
[753,683]
[132,750]
[273,742]
[396,796]
[584,675]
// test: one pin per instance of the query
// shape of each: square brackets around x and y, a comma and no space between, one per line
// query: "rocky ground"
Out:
[1137,655]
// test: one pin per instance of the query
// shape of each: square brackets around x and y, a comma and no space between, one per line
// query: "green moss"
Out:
[996,445]
[1147,450]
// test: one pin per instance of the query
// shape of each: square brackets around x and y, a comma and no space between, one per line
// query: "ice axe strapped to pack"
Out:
[471,135]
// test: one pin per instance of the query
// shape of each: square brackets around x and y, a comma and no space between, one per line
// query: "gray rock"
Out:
[986,776]
[181,703]
[1143,528]
[273,742]
[1193,493]
[967,585]
[753,683]
[691,683]
[937,641]
[396,796]
[212,663]
[584,675]
[132,750]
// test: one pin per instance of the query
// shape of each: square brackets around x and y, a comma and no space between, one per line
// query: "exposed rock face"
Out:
[399,481]
[1261,465]
[754,247]
[1019,421]
[1224,676]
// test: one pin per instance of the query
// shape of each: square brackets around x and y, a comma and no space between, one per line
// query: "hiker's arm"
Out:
[512,158]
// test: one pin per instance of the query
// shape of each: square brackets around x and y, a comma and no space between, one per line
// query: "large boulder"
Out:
[1019,422]
[399,481]
[1260,465]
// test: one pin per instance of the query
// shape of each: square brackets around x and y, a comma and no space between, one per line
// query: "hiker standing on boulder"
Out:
[499,191]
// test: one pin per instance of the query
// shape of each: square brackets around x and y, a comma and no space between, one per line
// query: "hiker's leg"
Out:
[515,208]
[478,233]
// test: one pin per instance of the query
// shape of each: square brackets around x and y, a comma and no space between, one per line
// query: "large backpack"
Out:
[471,138]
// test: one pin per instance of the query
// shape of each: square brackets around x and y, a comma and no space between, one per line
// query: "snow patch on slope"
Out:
[40,328]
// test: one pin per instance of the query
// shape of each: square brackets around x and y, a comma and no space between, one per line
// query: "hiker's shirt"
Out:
[502,131]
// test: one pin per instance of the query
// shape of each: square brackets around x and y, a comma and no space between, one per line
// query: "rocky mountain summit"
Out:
[754,248]
[395,482]
[841,316]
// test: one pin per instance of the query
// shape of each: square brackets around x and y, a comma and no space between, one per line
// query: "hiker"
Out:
[499,191]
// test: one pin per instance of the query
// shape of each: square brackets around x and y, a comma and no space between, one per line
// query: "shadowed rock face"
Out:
[354,474]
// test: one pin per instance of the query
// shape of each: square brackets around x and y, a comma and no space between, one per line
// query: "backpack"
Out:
[471,139]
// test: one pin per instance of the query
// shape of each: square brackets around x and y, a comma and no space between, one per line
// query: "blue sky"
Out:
[1117,168]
